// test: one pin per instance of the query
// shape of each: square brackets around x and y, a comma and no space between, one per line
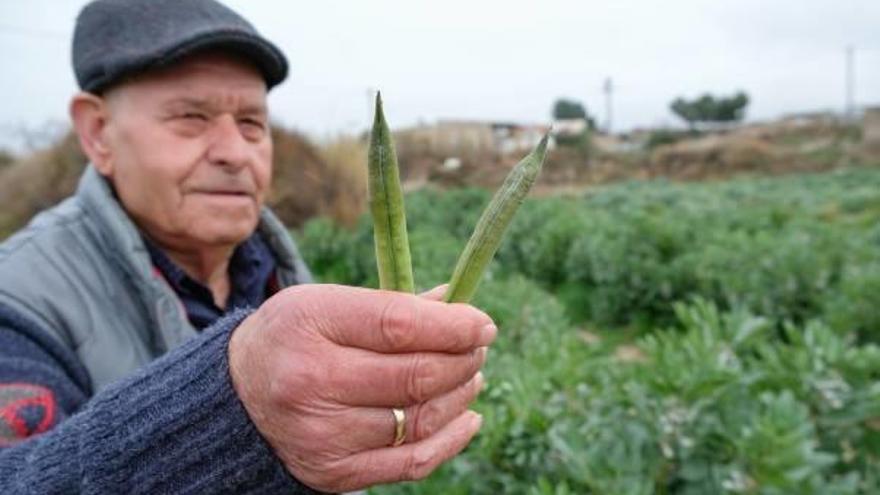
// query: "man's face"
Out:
[190,155]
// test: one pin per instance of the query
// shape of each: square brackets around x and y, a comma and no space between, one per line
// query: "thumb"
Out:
[435,294]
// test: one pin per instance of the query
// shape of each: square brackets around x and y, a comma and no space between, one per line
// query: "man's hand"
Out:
[319,368]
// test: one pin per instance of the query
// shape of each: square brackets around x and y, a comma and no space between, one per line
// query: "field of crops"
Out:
[663,338]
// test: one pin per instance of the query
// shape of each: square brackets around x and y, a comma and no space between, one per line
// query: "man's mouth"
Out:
[224,192]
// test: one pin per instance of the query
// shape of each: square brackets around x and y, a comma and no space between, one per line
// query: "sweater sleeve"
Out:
[41,382]
[175,426]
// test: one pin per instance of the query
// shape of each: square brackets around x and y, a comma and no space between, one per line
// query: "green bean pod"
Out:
[492,224]
[386,205]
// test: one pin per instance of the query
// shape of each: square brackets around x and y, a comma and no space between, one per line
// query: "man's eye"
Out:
[252,123]
[252,128]
[194,116]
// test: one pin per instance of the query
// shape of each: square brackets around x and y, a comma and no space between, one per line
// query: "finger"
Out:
[368,379]
[393,322]
[435,294]
[425,419]
[409,462]
[370,428]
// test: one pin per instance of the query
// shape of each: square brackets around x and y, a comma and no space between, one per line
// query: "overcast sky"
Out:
[499,60]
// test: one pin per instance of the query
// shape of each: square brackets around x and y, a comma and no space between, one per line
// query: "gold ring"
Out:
[399,426]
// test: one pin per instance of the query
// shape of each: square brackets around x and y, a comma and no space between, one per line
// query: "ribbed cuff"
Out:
[177,426]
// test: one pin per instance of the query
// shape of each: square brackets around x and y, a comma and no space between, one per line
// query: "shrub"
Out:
[718,404]
[37,182]
[540,238]
[660,137]
[434,253]
[854,307]
[786,275]
[631,265]
[747,376]
[339,254]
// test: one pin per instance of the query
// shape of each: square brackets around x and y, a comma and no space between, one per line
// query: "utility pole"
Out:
[849,111]
[608,88]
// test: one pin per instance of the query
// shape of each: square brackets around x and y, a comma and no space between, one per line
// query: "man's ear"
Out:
[89,114]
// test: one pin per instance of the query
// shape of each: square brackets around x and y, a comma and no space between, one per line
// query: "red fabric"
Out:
[14,398]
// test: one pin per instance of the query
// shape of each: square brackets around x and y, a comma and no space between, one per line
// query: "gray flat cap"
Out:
[117,38]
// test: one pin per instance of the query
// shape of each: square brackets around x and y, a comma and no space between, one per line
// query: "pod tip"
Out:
[379,114]
[542,145]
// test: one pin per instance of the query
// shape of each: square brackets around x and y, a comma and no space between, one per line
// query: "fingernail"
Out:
[487,334]
[482,352]
[479,380]
[477,419]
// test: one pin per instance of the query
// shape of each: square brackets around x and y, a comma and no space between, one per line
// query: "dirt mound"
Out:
[871,132]
[715,157]
[308,181]
[297,185]
[38,181]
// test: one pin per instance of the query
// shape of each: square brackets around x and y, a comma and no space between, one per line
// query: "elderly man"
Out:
[124,363]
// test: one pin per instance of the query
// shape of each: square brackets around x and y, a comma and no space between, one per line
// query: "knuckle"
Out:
[461,336]
[425,420]
[322,478]
[422,378]
[351,474]
[421,463]
[466,328]
[398,323]
[283,386]
[296,382]
[330,383]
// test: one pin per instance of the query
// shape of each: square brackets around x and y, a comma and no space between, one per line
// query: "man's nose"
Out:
[228,147]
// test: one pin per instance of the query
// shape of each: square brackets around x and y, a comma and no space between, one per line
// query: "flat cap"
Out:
[118,38]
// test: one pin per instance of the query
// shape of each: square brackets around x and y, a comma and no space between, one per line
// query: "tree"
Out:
[707,108]
[565,109]
[575,137]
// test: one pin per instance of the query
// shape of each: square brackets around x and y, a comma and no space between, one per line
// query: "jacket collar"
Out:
[118,233]
[121,242]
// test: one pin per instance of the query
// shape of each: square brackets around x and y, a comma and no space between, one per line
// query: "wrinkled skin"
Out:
[319,368]
[188,152]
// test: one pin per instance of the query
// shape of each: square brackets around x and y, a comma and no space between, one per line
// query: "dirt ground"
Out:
[787,146]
